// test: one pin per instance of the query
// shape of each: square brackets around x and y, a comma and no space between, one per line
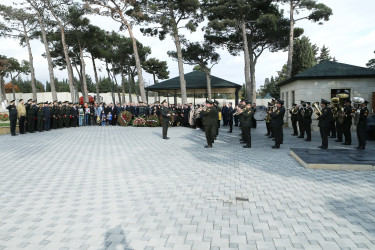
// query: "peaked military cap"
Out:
[163,101]
[309,103]
[325,101]
[280,101]
[20,100]
[12,101]
[366,102]
[209,102]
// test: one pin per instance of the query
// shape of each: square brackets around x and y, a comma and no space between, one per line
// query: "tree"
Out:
[371,63]
[4,65]
[15,69]
[123,12]
[39,7]
[247,26]
[23,23]
[303,56]
[59,9]
[317,13]
[325,55]
[10,87]
[158,69]
[173,16]
[204,56]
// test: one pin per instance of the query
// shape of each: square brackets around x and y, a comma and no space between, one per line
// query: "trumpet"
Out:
[238,111]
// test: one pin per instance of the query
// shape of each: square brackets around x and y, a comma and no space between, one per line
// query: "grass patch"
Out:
[4,124]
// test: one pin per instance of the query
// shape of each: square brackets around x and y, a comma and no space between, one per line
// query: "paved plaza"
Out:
[126,188]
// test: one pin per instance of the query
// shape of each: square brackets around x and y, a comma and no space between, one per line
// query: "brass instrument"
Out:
[238,111]
[269,108]
[357,101]
[294,110]
[335,106]
[342,97]
[316,109]
[303,110]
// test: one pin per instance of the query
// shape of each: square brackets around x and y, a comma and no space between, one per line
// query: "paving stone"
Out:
[126,188]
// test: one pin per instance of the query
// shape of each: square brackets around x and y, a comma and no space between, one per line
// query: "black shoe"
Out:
[307,139]
[166,138]
[300,137]
[338,140]
[208,146]
[267,134]
[246,146]
[274,147]
[294,134]
[320,147]
[346,143]
[271,136]
[229,132]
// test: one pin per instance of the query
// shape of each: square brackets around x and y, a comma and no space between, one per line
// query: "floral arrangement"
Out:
[139,122]
[4,117]
[125,118]
[153,121]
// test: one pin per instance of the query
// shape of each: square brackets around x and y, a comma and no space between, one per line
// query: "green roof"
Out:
[332,70]
[194,80]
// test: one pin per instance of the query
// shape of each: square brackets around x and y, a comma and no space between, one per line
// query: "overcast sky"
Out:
[349,34]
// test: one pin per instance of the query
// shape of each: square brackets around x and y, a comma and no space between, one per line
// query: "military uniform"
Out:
[67,116]
[12,118]
[277,125]
[247,121]
[30,117]
[165,118]
[348,110]
[307,122]
[61,115]
[40,118]
[47,117]
[323,124]
[209,123]
[300,114]
[294,118]
[361,127]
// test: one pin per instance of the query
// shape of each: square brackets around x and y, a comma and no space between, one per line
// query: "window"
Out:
[335,91]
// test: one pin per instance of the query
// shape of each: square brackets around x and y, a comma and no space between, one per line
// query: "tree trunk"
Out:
[2,89]
[83,68]
[48,55]
[114,77]
[75,86]
[291,42]
[67,58]
[136,56]
[111,82]
[180,63]
[135,88]
[123,101]
[130,89]
[208,77]
[252,75]
[96,80]
[31,62]
[249,87]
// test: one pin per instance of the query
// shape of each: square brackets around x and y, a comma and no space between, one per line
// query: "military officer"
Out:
[30,116]
[229,117]
[12,117]
[323,124]
[247,121]
[307,120]
[300,115]
[348,111]
[165,118]
[277,123]
[294,118]
[55,115]
[47,116]
[209,122]
[40,117]
[362,126]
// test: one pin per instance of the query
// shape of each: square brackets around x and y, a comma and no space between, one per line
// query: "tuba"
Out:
[357,101]
[340,109]
[316,109]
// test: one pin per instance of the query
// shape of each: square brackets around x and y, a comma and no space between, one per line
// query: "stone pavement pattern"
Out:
[126,188]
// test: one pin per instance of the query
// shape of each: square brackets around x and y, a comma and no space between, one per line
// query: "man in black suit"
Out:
[229,117]
[347,124]
[165,118]
[362,126]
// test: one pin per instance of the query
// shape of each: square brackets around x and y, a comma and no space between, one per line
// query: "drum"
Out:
[260,113]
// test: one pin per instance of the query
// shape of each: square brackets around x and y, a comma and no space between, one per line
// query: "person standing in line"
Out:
[47,116]
[347,124]
[166,117]
[307,121]
[247,121]
[294,117]
[323,125]
[21,113]
[277,123]
[209,122]
[12,117]
[362,126]
[229,117]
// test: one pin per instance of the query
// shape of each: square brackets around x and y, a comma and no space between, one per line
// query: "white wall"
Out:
[314,90]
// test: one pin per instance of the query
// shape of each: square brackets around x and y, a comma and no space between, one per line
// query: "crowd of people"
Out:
[33,116]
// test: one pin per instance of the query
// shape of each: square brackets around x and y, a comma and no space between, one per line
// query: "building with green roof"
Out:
[324,80]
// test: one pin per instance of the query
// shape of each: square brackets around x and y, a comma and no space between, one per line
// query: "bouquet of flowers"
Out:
[125,118]
[139,122]
[153,121]
[4,117]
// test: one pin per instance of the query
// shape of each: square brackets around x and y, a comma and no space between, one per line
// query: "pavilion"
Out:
[196,83]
